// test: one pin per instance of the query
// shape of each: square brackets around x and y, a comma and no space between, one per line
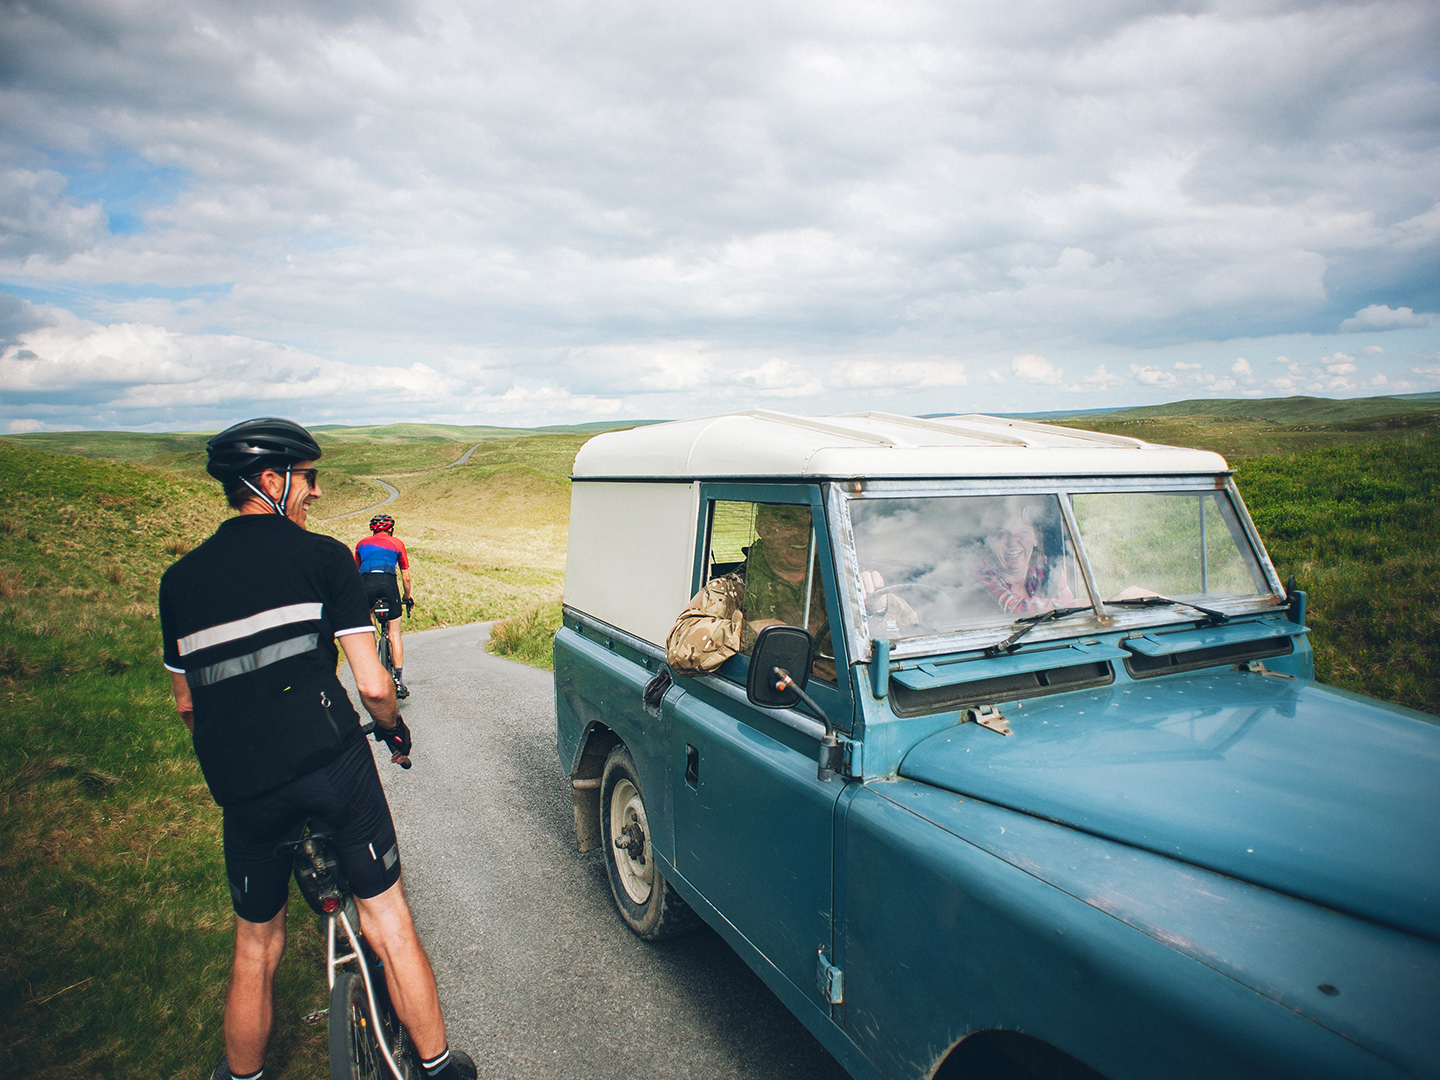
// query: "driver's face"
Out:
[1012,542]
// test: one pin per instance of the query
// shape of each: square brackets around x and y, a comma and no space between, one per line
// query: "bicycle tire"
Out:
[387,659]
[354,1054]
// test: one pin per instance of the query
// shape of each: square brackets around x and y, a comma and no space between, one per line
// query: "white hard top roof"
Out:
[759,443]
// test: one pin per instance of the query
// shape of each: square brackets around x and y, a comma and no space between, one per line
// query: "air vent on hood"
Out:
[1014,687]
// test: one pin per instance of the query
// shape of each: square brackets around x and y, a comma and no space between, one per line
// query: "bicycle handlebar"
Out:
[398,759]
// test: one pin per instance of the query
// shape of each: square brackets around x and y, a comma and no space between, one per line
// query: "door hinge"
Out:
[830,979]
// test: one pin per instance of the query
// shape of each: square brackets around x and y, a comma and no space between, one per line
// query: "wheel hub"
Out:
[632,842]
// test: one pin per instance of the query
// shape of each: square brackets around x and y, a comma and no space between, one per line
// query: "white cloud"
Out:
[1383,317]
[1372,350]
[1151,376]
[1036,369]
[19,427]
[1100,379]
[1242,370]
[1340,364]
[792,193]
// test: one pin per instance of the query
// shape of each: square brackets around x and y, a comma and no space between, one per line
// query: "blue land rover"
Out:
[1015,764]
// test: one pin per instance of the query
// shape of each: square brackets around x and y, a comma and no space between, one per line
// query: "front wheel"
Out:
[645,900]
[354,1054]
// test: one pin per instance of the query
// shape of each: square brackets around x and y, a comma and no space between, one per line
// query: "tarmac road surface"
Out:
[538,976]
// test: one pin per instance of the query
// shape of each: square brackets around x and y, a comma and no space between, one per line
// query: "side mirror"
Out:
[788,648]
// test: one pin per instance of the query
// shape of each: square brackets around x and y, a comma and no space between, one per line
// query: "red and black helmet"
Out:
[382,523]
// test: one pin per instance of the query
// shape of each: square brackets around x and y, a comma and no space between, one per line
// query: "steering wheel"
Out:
[917,587]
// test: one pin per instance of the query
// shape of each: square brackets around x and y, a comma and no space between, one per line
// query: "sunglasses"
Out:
[311,475]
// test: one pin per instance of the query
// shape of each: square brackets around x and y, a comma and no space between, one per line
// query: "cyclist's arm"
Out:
[405,577]
[377,688]
[181,689]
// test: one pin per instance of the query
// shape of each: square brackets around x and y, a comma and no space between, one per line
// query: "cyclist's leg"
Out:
[259,880]
[391,933]
[352,801]
[396,648]
[250,1001]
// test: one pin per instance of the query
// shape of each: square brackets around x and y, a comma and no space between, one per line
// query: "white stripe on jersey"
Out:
[266,620]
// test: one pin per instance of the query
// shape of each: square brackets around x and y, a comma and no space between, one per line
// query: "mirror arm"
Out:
[832,754]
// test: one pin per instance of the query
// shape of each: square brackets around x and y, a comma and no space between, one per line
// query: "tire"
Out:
[647,903]
[353,1053]
[383,647]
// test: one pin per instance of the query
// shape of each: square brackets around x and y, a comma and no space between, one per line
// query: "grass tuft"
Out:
[528,636]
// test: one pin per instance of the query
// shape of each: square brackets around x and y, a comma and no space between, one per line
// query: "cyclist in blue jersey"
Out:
[380,556]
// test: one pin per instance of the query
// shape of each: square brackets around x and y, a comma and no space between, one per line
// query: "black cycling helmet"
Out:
[253,446]
[382,523]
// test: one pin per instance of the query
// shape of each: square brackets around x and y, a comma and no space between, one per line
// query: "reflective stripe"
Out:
[266,620]
[270,654]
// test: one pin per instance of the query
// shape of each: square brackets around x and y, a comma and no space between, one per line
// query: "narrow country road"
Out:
[538,976]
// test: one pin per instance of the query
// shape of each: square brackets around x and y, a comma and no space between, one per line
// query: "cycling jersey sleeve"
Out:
[349,613]
[404,562]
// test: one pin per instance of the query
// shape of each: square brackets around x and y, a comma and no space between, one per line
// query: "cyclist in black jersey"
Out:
[251,620]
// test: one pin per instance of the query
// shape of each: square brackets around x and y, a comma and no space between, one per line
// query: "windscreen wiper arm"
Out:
[1027,623]
[1211,615]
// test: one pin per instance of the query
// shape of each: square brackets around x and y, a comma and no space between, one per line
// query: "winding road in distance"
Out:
[538,976]
[391,492]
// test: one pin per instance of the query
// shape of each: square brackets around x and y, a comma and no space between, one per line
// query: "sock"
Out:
[252,1076]
[399,677]
[437,1066]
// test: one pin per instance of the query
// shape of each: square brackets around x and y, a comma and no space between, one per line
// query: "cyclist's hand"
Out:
[398,740]
[409,606]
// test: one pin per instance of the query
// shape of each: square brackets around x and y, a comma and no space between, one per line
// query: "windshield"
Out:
[933,565]
[944,564]
[1183,545]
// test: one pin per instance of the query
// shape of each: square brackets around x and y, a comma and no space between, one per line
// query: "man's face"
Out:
[302,492]
[786,532]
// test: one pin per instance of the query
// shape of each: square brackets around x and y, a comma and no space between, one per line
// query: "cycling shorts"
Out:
[344,796]
[378,585]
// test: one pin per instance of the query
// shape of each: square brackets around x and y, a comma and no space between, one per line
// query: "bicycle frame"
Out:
[333,965]
[333,900]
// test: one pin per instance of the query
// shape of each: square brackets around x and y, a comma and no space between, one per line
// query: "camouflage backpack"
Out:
[711,628]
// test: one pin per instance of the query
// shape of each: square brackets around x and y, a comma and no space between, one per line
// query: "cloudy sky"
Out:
[359,211]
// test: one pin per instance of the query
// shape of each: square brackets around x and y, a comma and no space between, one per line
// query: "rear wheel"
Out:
[646,901]
[354,1054]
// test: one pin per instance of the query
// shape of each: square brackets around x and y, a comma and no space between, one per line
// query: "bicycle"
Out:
[365,1033]
[380,613]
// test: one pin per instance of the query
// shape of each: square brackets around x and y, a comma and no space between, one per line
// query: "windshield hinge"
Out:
[988,716]
[830,980]
[1258,667]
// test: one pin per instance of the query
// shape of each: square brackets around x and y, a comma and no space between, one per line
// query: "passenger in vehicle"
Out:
[772,589]
[1013,570]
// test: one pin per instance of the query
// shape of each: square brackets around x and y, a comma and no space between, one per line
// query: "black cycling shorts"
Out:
[344,796]
[386,585]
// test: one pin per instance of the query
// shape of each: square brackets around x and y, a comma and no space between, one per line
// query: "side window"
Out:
[773,547]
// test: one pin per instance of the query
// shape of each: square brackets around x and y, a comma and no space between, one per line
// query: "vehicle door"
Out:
[753,824]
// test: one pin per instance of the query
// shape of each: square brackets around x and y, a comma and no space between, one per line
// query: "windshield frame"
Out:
[842,494]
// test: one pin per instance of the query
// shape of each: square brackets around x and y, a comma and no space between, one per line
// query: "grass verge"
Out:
[528,636]
[116,930]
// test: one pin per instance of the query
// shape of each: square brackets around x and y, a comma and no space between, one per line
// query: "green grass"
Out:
[528,636]
[1358,527]
[115,934]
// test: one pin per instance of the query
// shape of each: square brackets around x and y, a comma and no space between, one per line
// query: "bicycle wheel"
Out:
[387,660]
[353,1052]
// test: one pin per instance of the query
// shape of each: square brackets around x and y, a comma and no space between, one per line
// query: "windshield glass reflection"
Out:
[934,565]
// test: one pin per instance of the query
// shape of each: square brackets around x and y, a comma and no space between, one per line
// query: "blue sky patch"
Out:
[126,184]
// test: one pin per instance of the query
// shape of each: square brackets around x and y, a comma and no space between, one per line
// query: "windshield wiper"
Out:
[1024,625]
[1211,615]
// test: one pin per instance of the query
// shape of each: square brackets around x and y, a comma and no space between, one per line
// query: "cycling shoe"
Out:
[464,1065]
[402,691]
